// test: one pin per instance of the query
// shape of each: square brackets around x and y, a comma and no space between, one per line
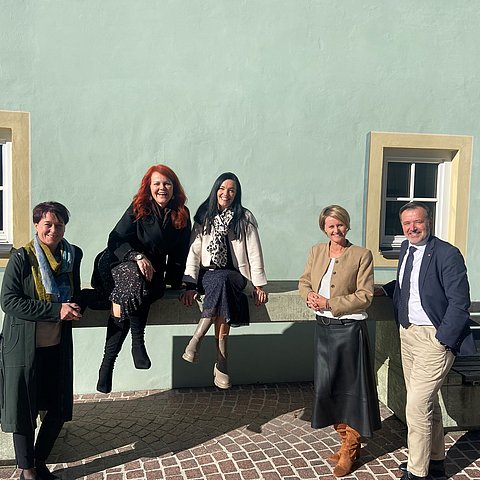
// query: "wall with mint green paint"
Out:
[261,353]
[282,92]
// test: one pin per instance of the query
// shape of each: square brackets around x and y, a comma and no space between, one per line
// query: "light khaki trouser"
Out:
[425,365]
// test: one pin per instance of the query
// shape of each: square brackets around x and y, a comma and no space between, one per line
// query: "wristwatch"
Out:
[139,256]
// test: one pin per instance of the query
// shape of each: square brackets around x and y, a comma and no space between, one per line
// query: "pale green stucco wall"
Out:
[283,93]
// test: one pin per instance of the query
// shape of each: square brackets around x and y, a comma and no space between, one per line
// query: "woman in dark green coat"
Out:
[38,294]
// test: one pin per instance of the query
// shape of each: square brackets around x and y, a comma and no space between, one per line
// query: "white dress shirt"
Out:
[416,313]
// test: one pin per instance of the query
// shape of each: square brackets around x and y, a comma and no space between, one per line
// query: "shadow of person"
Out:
[464,449]
[105,434]
[283,356]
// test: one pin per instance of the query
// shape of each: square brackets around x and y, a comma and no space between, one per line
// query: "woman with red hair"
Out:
[146,250]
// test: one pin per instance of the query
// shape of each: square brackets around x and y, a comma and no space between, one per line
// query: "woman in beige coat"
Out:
[225,253]
[338,285]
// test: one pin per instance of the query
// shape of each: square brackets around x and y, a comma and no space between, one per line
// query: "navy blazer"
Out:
[444,294]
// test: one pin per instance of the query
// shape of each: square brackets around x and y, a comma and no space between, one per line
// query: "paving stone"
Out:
[233,476]
[245,464]
[249,475]
[271,476]
[135,474]
[154,475]
[193,473]
[265,466]
[114,476]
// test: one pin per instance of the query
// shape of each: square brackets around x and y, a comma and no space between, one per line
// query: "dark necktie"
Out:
[405,290]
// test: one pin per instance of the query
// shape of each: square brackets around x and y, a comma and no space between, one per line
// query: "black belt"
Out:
[210,268]
[334,321]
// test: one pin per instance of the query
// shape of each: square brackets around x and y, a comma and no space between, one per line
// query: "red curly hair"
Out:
[142,201]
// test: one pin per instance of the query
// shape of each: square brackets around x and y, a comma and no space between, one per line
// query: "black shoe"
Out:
[43,473]
[410,476]
[436,468]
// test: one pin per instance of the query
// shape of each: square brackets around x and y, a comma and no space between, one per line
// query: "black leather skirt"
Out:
[344,380]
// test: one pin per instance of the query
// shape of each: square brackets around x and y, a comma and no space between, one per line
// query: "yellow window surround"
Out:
[19,125]
[461,146]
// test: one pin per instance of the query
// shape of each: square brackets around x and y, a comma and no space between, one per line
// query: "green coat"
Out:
[18,410]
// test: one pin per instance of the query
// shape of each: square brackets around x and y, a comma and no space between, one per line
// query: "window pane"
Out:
[425,180]
[398,179]
[392,221]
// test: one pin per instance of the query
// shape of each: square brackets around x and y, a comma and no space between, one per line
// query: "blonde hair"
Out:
[335,211]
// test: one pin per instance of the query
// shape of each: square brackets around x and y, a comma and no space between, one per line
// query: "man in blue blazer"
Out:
[431,298]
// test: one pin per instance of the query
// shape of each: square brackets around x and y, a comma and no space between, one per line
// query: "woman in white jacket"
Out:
[225,253]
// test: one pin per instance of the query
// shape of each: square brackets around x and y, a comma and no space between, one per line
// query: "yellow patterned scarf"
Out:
[47,280]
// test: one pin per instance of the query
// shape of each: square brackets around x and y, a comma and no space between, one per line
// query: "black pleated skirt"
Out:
[344,381]
[224,296]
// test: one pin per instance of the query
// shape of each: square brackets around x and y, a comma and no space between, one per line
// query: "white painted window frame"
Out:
[442,200]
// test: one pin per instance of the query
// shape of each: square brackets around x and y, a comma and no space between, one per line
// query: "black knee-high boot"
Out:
[138,322]
[116,334]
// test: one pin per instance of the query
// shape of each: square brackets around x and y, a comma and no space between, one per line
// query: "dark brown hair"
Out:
[413,205]
[59,210]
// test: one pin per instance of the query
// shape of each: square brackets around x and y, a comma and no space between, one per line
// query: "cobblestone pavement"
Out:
[246,433]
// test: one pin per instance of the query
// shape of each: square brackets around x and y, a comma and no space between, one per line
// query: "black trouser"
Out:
[47,361]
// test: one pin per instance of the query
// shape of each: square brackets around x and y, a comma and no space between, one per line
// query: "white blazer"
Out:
[246,253]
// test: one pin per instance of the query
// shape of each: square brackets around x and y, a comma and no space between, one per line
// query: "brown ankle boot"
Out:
[341,429]
[349,454]
[191,353]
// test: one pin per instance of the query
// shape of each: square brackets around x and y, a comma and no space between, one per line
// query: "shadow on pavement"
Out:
[463,452]
[194,422]
[112,433]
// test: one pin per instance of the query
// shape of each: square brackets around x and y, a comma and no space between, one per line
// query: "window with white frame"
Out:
[434,168]
[6,239]
[413,174]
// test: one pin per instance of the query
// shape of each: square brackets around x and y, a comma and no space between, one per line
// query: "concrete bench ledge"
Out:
[284,305]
